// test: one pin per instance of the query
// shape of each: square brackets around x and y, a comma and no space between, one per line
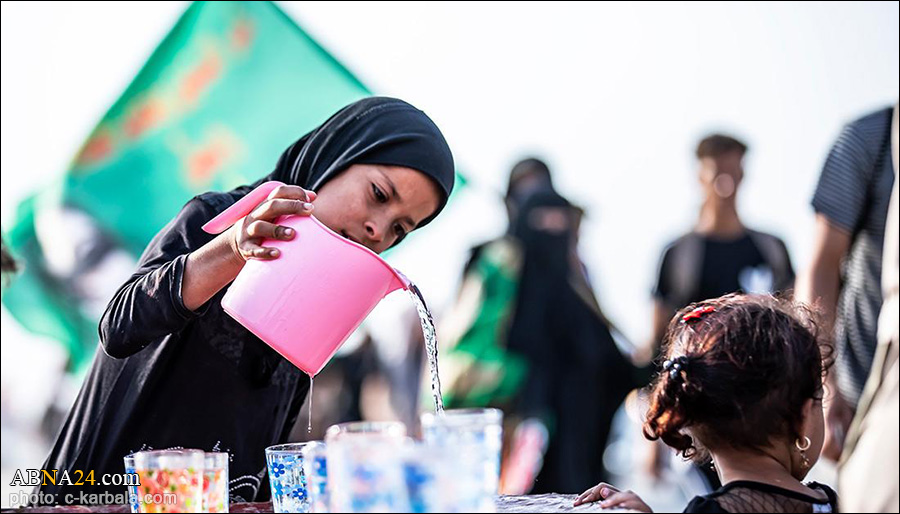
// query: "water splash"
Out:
[431,345]
[310,396]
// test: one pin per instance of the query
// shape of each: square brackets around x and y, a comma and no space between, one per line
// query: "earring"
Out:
[804,460]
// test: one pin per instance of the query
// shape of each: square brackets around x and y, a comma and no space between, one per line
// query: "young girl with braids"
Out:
[742,385]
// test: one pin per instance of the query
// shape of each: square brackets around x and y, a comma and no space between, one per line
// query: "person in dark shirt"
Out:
[719,256]
[175,370]
[742,385]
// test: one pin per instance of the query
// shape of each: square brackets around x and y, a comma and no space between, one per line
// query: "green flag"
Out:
[225,93]
[227,90]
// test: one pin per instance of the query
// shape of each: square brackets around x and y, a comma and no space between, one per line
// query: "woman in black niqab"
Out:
[577,377]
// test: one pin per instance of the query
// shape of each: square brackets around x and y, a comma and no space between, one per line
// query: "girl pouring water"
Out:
[176,370]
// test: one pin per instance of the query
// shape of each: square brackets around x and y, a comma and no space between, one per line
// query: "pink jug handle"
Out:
[241,208]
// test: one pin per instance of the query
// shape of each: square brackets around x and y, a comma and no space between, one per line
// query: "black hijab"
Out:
[375,130]
[575,361]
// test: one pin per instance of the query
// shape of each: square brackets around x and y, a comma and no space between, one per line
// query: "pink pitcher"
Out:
[308,301]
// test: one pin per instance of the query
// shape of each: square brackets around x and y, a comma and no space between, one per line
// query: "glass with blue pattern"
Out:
[286,477]
[133,502]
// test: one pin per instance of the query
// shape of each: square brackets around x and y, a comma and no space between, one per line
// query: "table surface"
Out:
[532,503]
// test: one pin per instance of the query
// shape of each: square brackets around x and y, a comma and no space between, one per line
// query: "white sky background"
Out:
[613,96]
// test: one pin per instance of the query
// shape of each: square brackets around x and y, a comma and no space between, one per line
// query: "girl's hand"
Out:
[609,496]
[247,234]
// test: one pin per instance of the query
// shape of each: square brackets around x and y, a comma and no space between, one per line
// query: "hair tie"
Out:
[673,366]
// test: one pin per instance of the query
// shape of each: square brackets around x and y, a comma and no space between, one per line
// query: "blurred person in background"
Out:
[720,255]
[8,265]
[844,277]
[527,335]
[476,368]
[868,474]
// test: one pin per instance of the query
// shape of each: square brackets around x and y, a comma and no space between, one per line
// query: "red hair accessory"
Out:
[697,313]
